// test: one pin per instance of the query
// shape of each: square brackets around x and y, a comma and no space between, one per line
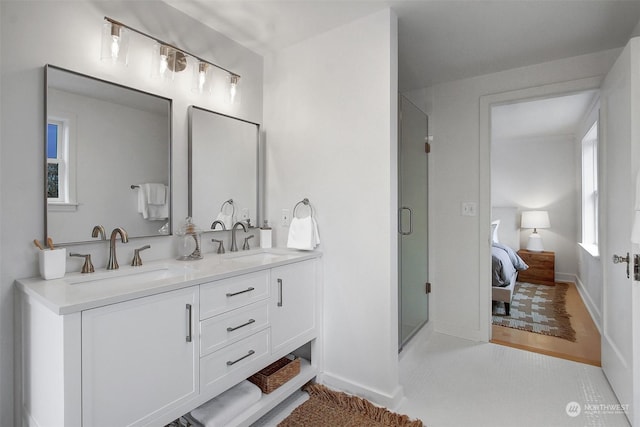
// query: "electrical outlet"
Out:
[468,209]
[285,219]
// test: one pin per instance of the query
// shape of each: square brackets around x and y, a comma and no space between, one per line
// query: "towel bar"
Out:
[305,202]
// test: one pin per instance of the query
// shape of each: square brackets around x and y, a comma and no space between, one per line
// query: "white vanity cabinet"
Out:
[135,353]
[292,310]
[141,351]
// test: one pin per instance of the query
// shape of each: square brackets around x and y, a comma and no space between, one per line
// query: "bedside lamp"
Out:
[535,220]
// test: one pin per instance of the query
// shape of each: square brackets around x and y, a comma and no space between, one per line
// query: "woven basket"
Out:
[276,374]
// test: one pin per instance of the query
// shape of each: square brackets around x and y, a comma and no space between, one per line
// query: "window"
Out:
[590,188]
[61,163]
[57,162]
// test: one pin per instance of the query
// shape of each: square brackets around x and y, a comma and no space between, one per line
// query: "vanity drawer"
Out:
[219,331]
[227,294]
[236,356]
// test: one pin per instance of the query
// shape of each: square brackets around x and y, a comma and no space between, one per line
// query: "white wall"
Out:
[540,173]
[331,125]
[461,162]
[68,34]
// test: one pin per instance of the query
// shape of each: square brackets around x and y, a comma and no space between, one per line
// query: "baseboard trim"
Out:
[566,277]
[389,401]
[588,302]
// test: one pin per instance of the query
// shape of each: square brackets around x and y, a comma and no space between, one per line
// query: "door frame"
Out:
[484,205]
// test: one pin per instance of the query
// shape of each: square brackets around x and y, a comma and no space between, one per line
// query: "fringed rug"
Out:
[537,308]
[328,408]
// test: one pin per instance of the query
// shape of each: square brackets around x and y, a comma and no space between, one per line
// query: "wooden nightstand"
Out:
[542,267]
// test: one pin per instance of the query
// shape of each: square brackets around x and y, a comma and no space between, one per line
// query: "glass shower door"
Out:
[412,221]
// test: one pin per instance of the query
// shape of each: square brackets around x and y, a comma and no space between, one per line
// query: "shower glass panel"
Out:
[412,221]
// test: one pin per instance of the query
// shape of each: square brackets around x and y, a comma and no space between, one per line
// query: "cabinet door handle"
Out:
[279,292]
[231,329]
[230,362]
[241,292]
[189,322]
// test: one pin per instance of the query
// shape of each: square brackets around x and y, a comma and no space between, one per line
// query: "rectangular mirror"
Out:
[223,169]
[107,158]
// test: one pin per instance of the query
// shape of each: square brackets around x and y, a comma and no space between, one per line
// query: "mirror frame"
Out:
[48,67]
[259,165]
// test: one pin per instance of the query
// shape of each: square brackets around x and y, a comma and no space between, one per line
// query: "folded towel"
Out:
[153,201]
[227,220]
[303,234]
[221,409]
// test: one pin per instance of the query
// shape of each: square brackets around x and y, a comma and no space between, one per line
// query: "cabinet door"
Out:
[139,358]
[292,311]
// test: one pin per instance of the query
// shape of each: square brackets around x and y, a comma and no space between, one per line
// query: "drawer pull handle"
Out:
[230,363]
[189,321]
[231,329]
[241,292]
[279,292]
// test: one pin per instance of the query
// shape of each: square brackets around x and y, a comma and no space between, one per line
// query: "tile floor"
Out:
[451,382]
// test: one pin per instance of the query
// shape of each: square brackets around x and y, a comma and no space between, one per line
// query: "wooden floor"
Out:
[585,349]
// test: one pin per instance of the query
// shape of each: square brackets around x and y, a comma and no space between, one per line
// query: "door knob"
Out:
[617,259]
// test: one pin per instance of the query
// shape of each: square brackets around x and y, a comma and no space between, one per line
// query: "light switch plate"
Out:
[468,209]
[285,218]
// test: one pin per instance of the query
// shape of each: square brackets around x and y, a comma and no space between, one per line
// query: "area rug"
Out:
[537,308]
[328,408]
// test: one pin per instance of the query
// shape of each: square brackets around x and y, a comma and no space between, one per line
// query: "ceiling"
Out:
[438,41]
[540,119]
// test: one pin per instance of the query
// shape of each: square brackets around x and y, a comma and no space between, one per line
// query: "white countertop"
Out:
[76,291]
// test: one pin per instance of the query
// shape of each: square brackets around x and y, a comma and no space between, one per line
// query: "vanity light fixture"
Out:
[234,96]
[202,78]
[167,59]
[115,43]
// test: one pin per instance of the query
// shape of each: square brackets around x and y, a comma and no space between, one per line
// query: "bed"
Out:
[505,262]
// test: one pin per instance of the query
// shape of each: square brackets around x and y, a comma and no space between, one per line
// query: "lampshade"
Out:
[535,219]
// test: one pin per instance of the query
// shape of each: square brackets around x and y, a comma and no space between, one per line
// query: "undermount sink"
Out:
[130,276]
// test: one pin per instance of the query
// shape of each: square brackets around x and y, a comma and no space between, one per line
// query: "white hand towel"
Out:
[227,220]
[156,193]
[153,201]
[303,234]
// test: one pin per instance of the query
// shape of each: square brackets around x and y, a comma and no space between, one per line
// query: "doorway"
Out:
[413,268]
[536,165]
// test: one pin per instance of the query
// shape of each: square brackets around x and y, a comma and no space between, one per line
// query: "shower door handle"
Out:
[400,228]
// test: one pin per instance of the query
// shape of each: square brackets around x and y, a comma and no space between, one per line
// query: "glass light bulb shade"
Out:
[202,77]
[535,219]
[233,97]
[166,61]
[115,43]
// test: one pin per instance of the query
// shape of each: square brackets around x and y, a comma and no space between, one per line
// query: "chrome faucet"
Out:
[112,264]
[234,246]
[216,222]
[98,230]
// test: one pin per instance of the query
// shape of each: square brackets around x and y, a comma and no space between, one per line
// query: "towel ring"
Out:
[305,202]
[233,207]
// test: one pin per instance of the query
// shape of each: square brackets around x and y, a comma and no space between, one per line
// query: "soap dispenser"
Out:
[265,235]
[189,241]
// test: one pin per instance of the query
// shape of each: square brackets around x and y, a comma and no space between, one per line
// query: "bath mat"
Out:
[328,408]
[537,308]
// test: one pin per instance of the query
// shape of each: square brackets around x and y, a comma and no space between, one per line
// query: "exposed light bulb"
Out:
[202,76]
[115,47]
[164,64]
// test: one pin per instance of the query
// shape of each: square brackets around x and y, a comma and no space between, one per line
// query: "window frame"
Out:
[66,161]
[589,190]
